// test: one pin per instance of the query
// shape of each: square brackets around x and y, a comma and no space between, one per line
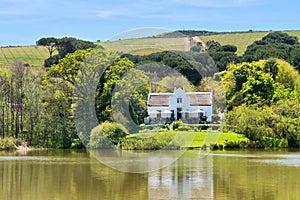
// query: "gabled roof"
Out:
[200,98]
[196,99]
[159,99]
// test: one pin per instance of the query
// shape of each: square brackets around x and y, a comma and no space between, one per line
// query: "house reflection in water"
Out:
[183,181]
[190,107]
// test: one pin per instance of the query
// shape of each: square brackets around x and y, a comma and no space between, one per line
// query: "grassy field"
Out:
[241,40]
[196,139]
[32,55]
[35,55]
[145,46]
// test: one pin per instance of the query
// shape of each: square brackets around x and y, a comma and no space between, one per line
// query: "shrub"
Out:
[269,142]
[232,145]
[235,144]
[204,127]
[77,144]
[176,124]
[107,135]
[8,143]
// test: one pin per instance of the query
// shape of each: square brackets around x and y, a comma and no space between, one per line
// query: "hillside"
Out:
[241,40]
[32,55]
[35,55]
[175,41]
[144,46]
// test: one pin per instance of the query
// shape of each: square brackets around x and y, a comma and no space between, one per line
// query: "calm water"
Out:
[68,175]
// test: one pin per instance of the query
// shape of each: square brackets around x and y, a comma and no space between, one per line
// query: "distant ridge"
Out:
[193,33]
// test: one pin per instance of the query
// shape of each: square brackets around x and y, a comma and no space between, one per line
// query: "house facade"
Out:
[190,107]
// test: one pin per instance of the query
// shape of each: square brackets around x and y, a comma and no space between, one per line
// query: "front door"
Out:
[179,113]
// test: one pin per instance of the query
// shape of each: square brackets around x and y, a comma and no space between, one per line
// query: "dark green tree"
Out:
[50,43]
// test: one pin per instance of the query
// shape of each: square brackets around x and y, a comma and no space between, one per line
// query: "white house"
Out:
[190,107]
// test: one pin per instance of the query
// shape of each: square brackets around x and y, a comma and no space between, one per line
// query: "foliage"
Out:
[248,83]
[189,64]
[8,143]
[64,46]
[68,66]
[50,44]
[222,55]
[275,126]
[278,45]
[106,135]
[287,75]
[106,86]
[176,124]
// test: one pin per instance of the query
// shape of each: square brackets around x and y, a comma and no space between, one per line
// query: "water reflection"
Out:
[75,175]
[189,178]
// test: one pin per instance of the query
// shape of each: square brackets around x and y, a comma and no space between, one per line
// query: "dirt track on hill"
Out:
[197,39]
[187,44]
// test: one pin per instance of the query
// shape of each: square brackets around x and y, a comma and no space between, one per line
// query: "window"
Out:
[179,100]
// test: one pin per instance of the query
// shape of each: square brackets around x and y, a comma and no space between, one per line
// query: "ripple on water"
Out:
[279,159]
[47,159]
[287,160]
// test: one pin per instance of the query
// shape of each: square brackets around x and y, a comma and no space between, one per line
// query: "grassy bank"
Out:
[182,139]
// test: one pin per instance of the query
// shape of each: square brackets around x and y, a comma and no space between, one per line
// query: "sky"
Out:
[23,22]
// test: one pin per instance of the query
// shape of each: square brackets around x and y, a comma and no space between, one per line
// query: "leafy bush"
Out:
[107,135]
[268,142]
[235,144]
[8,143]
[176,124]
[77,144]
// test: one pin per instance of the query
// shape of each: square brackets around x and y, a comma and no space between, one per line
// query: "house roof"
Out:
[196,99]
[200,98]
[159,99]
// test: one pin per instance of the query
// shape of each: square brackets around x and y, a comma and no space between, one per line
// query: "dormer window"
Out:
[179,100]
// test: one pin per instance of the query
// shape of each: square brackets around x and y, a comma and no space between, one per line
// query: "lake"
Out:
[68,175]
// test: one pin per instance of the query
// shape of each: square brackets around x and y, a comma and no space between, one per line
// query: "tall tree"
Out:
[50,43]
[64,46]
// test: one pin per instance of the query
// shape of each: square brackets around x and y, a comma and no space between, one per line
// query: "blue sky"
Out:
[22,22]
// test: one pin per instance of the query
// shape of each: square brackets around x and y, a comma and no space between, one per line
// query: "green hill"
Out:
[144,46]
[32,55]
[35,55]
[241,40]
